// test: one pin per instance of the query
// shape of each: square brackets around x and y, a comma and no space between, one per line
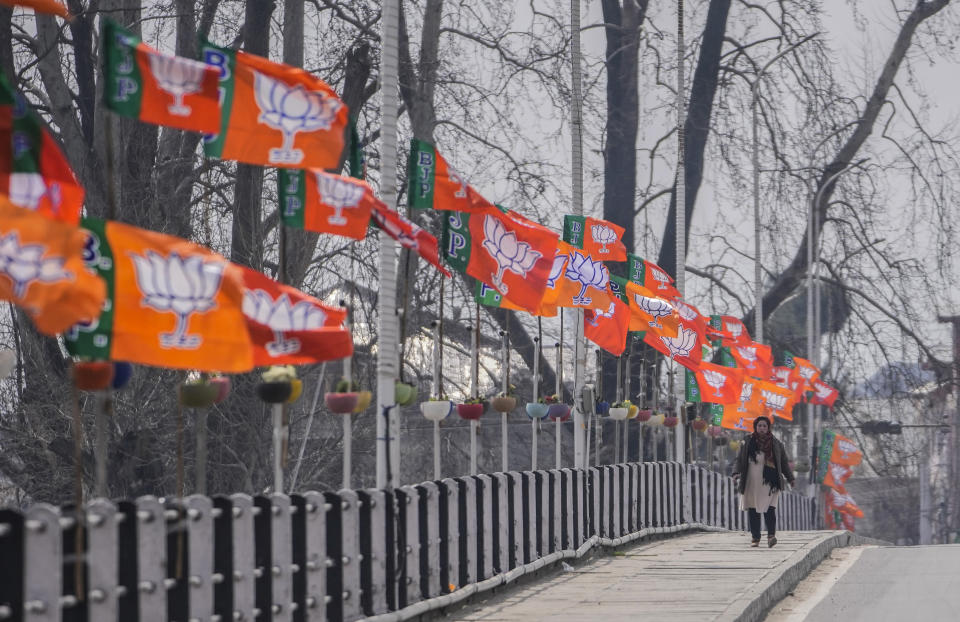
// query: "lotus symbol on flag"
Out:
[740,425]
[657,307]
[597,314]
[715,379]
[774,400]
[509,253]
[736,329]
[291,109]
[749,354]
[25,264]
[603,235]
[846,448]
[661,277]
[838,471]
[179,77]
[28,189]
[823,391]
[340,194]
[556,270]
[279,315]
[746,391]
[589,273]
[682,344]
[183,286]
[806,372]
[457,178]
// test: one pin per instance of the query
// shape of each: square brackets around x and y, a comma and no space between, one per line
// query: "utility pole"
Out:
[953,507]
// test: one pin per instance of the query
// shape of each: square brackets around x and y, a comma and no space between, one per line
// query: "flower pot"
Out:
[536,410]
[223,387]
[471,412]
[656,420]
[619,413]
[558,412]
[275,392]
[436,410]
[341,403]
[405,394]
[644,415]
[634,410]
[197,395]
[802,467]
[603,408]
[363,401]
[670,421]
[122,371]
[296,390]
[734,445]
[714,431]
[92,375]
[700,425]
[504,404]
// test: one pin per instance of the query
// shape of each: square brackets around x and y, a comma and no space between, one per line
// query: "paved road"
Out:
[877,584]
[703,576]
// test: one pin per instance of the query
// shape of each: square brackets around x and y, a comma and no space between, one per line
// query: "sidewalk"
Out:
[702,576]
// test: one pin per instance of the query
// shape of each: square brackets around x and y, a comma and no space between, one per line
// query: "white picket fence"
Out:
[345,555]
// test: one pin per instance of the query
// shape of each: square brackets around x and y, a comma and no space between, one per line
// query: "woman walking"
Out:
[762,469]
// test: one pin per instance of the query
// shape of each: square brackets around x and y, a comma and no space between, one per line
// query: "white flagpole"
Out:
[681,215]
[536,396]
[579,345]
[387,364]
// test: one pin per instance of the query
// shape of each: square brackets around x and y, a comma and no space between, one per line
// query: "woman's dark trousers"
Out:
[769,517]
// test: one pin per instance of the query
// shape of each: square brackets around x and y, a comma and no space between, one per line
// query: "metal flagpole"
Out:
[437,371]
[347,421]
[387,363]
[643,404]
[534,421]
[579,344]
[504,455]
[556,422]
[626,393]
[616,424]
[474,390]
[681,213]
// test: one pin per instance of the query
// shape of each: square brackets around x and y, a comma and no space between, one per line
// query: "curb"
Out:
[754,604]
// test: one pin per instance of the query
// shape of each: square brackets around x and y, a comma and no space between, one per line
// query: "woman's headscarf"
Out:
[761,442]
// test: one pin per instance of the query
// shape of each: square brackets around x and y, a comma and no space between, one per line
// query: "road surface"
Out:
[878,584]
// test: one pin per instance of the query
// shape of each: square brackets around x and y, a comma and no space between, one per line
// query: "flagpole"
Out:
[536,396]
[347,421]
[681,204]
[504,446]
[557,421]
[387,363]
[474,389]
[576,125]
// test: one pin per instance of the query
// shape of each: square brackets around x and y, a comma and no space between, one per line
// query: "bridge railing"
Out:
[344,555]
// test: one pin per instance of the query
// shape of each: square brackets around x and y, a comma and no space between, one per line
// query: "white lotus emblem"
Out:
[603,235]
[556,270]
[507,251]
[686,311]
[746,391]
[182,286]
[740,425]
[338,193]
[840,500]
[839,471]
[589,273]
[823,391]
[179,77]
[28,189]
[846,448]
[656,307]
[774,400]
[661,277]
[682,344]
[806,372]
[457,178]
[280,316]
[609,313]
[292,109]
[736,329]
[715,379]
[782,376]
[748,353]
[26,264]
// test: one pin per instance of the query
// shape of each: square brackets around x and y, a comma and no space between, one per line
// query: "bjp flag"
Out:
[600,239]
[824,394]
[756,359]
[42,270]
[844,451]
[719,384]
[807,371]
[584,281]
[157,88]
[274,114]
[608,327]
[490,297]
[648,311]
[651,276]
[51,7]
[837,475]
[843,503]
[685,348]
[432,183]
[741,414]
[325,203]
[775,400]
[408,234]
[288,327]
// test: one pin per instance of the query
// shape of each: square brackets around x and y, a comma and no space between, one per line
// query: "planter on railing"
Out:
[634,410]
[700,424]
[198,394]
[504,403]
[603,408]
[363,401]
[471,412]
[537,410]
[223,387]
[670,421]
[656,420]
[436,410]
[341,403]
[404,394]
[644,415]
[619,413]
[559,412]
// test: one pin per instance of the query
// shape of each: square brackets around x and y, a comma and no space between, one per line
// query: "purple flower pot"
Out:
[341,403]
[559,412]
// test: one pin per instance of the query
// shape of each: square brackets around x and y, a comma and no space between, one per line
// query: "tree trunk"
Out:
[696,128]
[247,242]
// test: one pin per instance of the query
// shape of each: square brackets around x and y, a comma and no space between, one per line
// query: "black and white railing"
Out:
[344,555]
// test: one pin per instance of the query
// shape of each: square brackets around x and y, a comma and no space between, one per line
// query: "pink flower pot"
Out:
[470,412]
[341,403]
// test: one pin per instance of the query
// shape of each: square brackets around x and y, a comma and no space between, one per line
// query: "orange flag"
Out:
[807,371]
[42,270]
[608,328]
[176,304]
[719,384]
[325,203]
[51,7]
[837,475]
[775,400]
[756,359]
[650,312]
[584,281]
[843,503]
[845,452]
[824,394]
[432,183]
[274,114]
[740,414]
